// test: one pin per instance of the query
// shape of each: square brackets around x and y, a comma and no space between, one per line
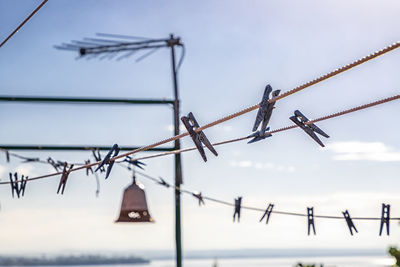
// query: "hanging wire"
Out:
[182,57]
[331,116]
[246,110]
[84,166]
[226,203]
[254,107]
[23,22]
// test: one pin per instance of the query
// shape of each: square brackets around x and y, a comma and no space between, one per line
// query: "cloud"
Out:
[262,165]
[372,151]
[171,128]
[26,169]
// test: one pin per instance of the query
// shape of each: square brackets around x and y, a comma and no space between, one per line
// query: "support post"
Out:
[178,162]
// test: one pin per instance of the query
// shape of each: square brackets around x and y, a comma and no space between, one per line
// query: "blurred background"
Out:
[233,49]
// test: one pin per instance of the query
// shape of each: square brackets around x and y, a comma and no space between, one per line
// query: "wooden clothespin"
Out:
[64,177]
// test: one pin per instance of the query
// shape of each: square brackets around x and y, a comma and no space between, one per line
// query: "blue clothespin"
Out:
[22,186]
[385,219]
[238,207]
[310,129]
[265,110]
[259,136]
[88,169]
[97,157]
[310,220]
[199,138]
[55,165]
[7,155]
[18,185]
[349,222]
[134,162]
[267,213]
[14,184]
[26,159]
[199,197]
[163,182]
[108,159]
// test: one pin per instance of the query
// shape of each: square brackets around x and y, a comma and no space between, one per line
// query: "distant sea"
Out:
[348,261]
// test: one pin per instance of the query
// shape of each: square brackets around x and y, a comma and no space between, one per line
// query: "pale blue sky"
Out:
[234,48]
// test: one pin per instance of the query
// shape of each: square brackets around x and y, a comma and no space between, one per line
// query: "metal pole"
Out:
[178,163]
[76,100]
[77,148]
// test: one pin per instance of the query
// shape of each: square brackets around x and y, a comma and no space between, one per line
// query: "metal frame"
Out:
[84,49]
[75,100]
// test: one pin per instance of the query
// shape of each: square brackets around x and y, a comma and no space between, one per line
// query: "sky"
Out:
[233,50]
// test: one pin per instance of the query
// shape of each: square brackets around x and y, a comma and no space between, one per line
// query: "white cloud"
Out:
[171,128]
[26,169]
[262,165]
[374,151]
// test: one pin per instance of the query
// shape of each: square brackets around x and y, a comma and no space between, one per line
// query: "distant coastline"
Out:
[262,253]
[91,258]
[69,260]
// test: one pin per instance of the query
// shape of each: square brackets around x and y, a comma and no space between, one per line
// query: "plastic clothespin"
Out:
[22,187]
[238,207]
[60,163]
[310,129]
[199,197]
[88,169]
[258,136]
[18,186]
[14,184]
[64,177]
[267,213]
[108,160]
[310,219]
[385,219]
[97,157]
[134,162]
[30,159]
[349,222]
[54,164]
[265,111]
[163,182]
[199,138]
[7,155]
